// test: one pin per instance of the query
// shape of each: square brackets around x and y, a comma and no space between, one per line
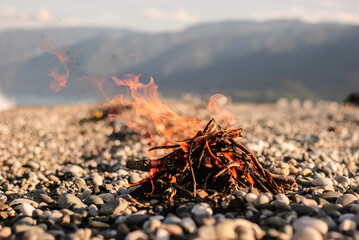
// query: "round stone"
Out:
[202,209]
[307,233]
[114,206]
[346,199]
[250,197]
[347,226]
[26,209]
[97,179]
[93,199]
[68,200]
[282,198]
[305,221]
[322,181]
[261,200]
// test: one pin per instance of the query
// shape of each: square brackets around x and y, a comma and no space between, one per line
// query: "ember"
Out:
[212,164]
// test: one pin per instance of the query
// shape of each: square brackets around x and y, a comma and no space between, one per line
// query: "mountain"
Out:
[250,61]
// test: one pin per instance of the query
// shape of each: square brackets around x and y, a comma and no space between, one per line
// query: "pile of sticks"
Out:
[212,163]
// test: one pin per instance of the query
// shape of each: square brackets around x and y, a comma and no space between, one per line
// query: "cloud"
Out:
[12,17]
[180,15]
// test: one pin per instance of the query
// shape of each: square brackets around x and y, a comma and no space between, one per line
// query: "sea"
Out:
[13,99]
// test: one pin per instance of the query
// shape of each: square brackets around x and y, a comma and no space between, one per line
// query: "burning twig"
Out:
[211,161]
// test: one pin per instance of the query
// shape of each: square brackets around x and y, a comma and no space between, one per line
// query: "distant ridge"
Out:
[250,61]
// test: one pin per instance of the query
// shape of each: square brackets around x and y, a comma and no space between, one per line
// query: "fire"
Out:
[147,103]
[216,106]
[60,80]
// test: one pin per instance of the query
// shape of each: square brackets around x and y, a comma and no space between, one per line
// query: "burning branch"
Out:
[212,162]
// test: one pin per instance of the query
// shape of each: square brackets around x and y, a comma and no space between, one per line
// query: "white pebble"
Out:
[26,209]
[97,179]
[305,221]
[322,181]
[250,197]
[282,198]
[202,209]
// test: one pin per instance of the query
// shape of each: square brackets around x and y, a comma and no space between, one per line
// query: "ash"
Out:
[63,175]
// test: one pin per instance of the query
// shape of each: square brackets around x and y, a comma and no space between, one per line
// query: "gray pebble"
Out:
[114,206]
[70,201]
[346,199]
[347,226]
[307,233]
[137,235]
[202,209]
[93,199]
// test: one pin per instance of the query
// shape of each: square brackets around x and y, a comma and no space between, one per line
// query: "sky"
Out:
[167,15]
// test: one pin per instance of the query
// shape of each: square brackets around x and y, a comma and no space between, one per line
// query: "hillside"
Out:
[247,60]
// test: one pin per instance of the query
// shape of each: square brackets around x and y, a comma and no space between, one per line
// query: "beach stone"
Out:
[26,209]
[70,201]
[330,207]
[5,232]
[207,232]
[189,225]
[114,206]
[303,210]
[321,181]
[24,200]
[99,224]
[250,197]
[331,195]
[173,229]
[123,229]
[261,200]
[307,233]
[81,183]
[83,233]
[106,197]
[97,179]
[172,220]
[23,228]
[25,221]
[152,225]
[308,202]
[93,199]
[202,209]
[276,222]
[134,177]
[3,199]
[136,220]
[85,194]
[346,199]
[248,230]
[347,226]
[44,198]
[282,198]
[74,169]
[226,229]
[162,234]
[93,210]
[305,221]
[137,235]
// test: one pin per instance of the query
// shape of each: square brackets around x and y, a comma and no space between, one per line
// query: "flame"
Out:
[135,56]
[146,102]
[216,106]
[60,80]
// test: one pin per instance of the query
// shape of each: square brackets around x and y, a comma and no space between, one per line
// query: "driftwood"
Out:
[212,163]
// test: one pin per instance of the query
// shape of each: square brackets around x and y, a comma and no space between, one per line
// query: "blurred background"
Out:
[256,51]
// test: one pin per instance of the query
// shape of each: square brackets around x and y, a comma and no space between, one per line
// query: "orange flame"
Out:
[60,80]
[216,106]
[147,103]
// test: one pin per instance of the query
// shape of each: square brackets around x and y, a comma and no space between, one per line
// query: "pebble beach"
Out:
[63,175]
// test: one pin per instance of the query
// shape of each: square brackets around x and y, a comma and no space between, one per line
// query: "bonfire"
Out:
[210,165]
